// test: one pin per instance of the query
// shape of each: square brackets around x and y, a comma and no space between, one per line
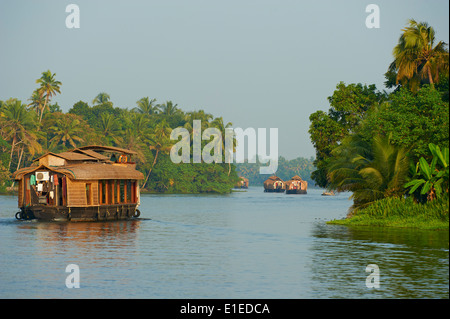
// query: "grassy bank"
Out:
[396,212]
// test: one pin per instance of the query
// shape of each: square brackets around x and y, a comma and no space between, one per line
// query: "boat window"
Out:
[129,197]
[133,192]
[122,191]
[102,185]
[88,193]
[111,192]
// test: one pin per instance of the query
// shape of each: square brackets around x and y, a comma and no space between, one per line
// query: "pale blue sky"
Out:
[258,64]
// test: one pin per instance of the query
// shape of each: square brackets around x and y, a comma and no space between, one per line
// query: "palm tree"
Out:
[219,124]
[18,126]
[189,119]
[37,101]
[110,129]
[132,141]
[139,122]
[101,98]
[136,134]
[67,132]
[416,57]
[371,170]
[48,88]
[169,109]
[160,142]
[146,106]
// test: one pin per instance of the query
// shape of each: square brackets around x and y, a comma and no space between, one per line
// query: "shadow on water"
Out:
[411,262]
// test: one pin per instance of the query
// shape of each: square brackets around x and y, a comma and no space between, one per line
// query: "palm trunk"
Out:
[12,151]
[18,165]
[20,158]
[43,109]
[151,168]
[430,78]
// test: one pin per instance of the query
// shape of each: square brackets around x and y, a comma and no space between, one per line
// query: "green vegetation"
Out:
[349,105]
[372,171]
[386,147]
[402,212]
[28,131]
[431,179]
[417,60]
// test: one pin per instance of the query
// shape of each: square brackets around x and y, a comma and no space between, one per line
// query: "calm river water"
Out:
[243,245]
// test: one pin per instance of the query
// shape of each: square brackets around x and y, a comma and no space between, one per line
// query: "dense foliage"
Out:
[431,179]
[28,131]
[377,145]
[348,106]
[370,170]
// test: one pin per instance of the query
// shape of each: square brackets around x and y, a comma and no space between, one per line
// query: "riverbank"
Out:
[402,213]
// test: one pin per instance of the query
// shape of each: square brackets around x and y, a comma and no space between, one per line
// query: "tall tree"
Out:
[160,143]
[219,124]
[411,119]
[49,86]
[349,105]
[36,101]
[67,132]
[136,133]
[169,108]
[18,126]
[101,98]
[147,106]
[109,127]
[417,57]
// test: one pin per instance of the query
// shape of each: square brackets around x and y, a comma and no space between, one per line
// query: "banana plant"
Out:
[431,178]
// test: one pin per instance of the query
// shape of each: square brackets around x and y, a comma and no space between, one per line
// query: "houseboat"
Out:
[91,183]
[243,183]
[296,185]
[274,184]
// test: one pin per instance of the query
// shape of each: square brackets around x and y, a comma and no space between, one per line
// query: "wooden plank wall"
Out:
[76,193]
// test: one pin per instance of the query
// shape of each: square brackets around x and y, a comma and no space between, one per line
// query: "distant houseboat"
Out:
[274,184]
[91,183]
[243,183]
[296,185]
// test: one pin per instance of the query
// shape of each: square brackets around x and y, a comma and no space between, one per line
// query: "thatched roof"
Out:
[87,171]
[296,178]
[272,179]
[70,156]
[88,153]
[107,149]
[93,154]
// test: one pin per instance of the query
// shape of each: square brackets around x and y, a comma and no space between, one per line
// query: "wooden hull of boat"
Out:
[74,214]
[295,191]
[274,190]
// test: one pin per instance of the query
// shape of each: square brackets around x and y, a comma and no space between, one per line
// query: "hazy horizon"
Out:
[257,64]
